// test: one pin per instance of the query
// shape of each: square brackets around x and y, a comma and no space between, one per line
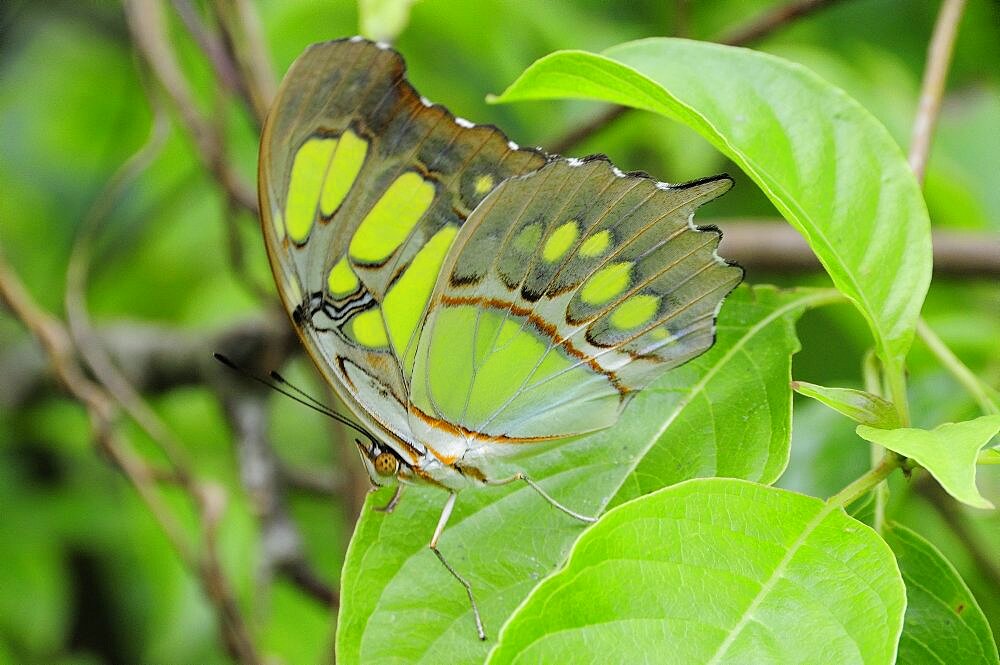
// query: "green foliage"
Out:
[392,584]
[949,452]
[383,19]
[828,166]
[943,621]
[717,571]
[89,576]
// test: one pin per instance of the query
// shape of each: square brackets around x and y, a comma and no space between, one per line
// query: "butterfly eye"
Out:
[386,464]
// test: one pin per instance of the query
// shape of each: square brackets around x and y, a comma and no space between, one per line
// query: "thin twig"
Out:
[932,89]
[975,387]
[243,36]
[770,21]
[214,49]
[245,406]
[576,135]
[215,584]
[55,340]
[147,26]
[154,358]
[320,482]
[221,53]
[237,261]
[80,328]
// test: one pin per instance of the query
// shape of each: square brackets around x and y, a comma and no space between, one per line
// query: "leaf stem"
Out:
[895,380]
[988,457]
[932,89]
[870,369]
[958,369]
[890,462]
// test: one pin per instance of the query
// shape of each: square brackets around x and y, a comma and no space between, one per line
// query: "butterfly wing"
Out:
[363,186]
[568,290]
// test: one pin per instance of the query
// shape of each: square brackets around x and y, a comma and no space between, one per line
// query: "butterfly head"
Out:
[384,466]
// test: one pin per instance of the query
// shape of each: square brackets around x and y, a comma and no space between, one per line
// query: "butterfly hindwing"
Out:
[364,186]
[568,290]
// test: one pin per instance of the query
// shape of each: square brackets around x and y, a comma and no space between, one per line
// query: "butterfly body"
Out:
[467,299]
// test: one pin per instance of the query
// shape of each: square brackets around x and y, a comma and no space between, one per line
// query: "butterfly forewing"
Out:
[569,290]
[364,185]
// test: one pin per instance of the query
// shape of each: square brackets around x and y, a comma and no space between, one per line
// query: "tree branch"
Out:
[147,26]
[771,246]
[245,406]
[772,20]
[243,37]
[932,89]
[769,22]
[103,410]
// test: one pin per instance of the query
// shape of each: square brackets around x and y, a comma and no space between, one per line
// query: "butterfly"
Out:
[466,298]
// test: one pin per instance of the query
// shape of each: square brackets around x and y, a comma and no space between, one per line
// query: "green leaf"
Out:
[826,163]
[726,413]
[858,405]
[716,571]
[948,452]
[943,623]
[384,20]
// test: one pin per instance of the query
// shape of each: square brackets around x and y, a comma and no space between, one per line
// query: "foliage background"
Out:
[87,574]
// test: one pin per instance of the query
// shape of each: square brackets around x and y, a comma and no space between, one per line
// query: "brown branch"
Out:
[112,382]
[102,410]
[154,358]
[80,327]
[773,246]
[769,22]
[932,89]
[586,129]
[772,20]
[239,74]
[148,29]
[157,359]
[245,406]
[320,482]
[215,51]
[243,37]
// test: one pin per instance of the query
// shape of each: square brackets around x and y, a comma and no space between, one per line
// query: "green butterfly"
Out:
[468,299]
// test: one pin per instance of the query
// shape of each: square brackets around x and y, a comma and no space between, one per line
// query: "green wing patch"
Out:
[364,185]
[568,290]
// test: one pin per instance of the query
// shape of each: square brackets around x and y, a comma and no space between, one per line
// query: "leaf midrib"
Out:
[812,299]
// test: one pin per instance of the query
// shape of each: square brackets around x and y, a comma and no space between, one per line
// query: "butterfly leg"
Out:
[545,495]
[445,514]
[393,502]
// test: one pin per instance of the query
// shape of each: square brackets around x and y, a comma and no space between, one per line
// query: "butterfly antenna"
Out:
[277,383]
[279,379]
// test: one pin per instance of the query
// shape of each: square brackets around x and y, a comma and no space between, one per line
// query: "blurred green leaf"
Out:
[716,571]
[948,452]
[384,20]
[943,623]
[725,413]
[858,405]
[828,166]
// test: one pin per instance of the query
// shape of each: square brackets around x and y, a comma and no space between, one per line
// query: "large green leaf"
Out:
[948,452]
[716,571]
[943,624]
[726,413]
[826,163]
